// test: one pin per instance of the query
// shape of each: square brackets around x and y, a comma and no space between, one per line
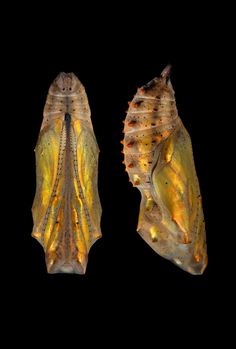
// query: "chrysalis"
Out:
[66,209]
[159,162]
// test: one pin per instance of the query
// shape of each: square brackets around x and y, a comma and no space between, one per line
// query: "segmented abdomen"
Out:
[58,104]
[151,118]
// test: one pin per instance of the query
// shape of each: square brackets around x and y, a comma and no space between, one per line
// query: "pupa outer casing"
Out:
[66,208]
[159,160]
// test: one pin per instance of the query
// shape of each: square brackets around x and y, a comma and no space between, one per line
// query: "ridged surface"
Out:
[159,161]
[66,209]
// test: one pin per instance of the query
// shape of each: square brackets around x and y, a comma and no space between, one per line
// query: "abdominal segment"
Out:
[66,208]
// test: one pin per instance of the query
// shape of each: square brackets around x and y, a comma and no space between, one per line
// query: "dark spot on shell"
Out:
[153,124]
[154,109]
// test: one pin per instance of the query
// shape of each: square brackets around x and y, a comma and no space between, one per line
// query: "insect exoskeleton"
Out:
[158,158]
[66,209]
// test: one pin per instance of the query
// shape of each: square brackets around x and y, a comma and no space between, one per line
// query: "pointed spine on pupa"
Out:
[151,117]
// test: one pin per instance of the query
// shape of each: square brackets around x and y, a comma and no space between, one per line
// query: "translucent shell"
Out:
[66,209]
[159,161]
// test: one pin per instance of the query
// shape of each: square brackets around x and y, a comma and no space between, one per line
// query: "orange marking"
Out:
[165,133]
[197,258]
[129,145]
[141,91]
[131,165]
[158,138]
[131,123]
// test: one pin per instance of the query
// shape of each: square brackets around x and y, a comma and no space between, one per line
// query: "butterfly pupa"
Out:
[159,161]
[66,208]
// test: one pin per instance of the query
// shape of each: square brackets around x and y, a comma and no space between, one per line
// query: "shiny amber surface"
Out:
[159,148]
[66,209]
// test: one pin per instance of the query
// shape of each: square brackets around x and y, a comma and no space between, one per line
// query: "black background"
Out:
[113,53]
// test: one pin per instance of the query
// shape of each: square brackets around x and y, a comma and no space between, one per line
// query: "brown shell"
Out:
[159,161]
[66,209]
